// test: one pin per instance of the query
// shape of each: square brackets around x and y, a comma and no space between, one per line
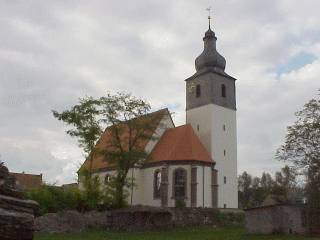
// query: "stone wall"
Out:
[136,219]
[70,221]
[186,217]
[275,219]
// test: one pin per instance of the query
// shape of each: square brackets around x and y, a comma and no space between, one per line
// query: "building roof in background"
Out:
[27,181]
[180,144]
[100,162]
[273,199]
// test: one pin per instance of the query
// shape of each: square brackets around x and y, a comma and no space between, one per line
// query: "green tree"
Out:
[85,126]
[245,191]
[256,183]
[302,149]
[53,199]
[266,182]
[127,123]
[285,183]
[130,125]
[258,193]
[254,190]
[84,120]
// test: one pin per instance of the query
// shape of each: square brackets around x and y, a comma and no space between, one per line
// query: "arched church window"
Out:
[107,179]
[198,90]
[157,184]
[223,90]
[180,183]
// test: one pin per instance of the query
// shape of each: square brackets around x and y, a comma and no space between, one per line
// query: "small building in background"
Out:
[279,218]
[25,181]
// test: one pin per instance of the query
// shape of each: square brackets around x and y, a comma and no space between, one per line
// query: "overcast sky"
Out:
[53,52]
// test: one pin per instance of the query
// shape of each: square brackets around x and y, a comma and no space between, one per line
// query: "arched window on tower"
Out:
[180,183]
[198,91]
[223,90]
[157,184]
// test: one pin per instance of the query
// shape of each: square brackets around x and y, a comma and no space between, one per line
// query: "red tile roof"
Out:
[105,141]
[26,181]
[180,144]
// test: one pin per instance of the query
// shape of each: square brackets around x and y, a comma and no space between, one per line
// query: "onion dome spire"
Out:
[210,58]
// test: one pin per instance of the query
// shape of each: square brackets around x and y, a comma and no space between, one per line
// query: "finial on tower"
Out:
[209,16]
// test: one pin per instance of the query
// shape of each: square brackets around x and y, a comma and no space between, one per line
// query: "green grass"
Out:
[202,233]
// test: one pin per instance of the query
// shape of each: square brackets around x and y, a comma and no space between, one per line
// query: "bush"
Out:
[93,196]
[230,219]
[53,198]
[180,203]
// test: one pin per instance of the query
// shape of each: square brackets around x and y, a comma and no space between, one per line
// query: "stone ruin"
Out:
[16,212]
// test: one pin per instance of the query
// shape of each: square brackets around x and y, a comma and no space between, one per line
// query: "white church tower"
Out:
[211,110]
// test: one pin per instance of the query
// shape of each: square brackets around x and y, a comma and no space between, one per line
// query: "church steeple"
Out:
[210,58]
[211,83]
[211,111]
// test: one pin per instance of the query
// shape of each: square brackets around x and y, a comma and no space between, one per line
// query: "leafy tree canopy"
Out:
[128,124]
[302,142]
[302,149]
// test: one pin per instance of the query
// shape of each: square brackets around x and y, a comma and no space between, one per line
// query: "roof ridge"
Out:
[190,134]
[135,118]
[171,149]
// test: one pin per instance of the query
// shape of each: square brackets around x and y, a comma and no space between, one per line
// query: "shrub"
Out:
[230,219]
[180,203]
[53,198]
[92,196]
[92,193]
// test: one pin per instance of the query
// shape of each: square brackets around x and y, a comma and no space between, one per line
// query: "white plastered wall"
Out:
[147,184]
[211,118]
[135,195]
[207,202]
[204,190]
[143,191]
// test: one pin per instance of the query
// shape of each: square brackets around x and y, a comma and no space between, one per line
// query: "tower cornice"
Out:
[210,70]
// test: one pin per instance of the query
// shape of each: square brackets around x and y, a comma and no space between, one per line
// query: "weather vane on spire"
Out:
[209,15]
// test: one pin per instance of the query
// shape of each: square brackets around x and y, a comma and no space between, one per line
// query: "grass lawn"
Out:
[203,233]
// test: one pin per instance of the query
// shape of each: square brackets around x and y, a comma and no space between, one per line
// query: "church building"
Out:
[195,163]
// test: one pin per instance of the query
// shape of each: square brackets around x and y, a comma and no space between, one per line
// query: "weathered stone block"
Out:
[16,225]
[16,213]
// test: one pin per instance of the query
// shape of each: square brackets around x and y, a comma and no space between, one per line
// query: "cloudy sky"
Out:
[53,52]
